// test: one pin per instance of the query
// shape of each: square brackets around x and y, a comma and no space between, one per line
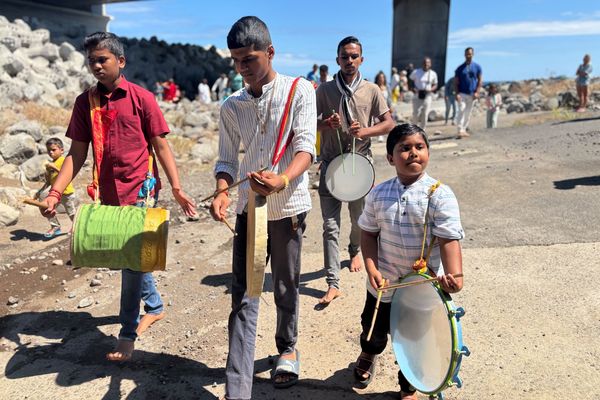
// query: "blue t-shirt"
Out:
[467,77]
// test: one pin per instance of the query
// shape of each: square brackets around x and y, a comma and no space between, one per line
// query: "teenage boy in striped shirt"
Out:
[252,117]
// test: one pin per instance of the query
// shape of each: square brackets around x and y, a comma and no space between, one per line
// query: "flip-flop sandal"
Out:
[365,366]
[290,368]
[53,233]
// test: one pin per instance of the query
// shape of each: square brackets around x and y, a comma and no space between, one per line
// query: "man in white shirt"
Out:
[425,83]
[204,92]
[276,160]
[219,87]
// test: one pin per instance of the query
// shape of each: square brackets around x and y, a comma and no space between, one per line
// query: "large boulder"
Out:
[13,66]
[31,128]
[16,149]
[515,106]
[197,120]
[65,50]
[8,215]
[49,51]
[35,168]
[206,151]
[12,196]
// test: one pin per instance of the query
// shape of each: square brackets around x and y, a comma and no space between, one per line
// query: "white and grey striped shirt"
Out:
[241,120]
[397,213]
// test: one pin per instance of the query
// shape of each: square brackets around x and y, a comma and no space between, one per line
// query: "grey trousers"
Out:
[284,246]
[331,209]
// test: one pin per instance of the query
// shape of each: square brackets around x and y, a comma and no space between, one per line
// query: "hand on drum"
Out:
[450,284]
[219,205]
[265,182]
[188,206]
[356,130]
[375,277]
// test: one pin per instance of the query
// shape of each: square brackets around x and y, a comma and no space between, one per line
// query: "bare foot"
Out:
[122,352]
[356,263]
[332,294]
[147,320]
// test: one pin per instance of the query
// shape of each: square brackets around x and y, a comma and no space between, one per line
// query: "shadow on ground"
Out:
[568,184]
[70,345]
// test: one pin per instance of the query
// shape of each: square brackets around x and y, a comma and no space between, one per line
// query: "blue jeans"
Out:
[136,285]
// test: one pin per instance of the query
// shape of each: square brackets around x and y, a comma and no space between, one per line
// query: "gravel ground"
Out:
[529,203]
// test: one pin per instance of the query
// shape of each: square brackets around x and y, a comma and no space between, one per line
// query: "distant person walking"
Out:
[313,76]
[584,74]
[494,104]
[220,87]
[409,70]
[425,82]
[467,81]
[450,98]
[395,85]
[324,75]
[204,92]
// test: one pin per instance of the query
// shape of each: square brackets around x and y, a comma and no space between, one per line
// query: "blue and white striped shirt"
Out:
[397,212]
[241,121]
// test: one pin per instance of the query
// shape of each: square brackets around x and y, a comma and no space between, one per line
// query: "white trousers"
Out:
[465,107]
[421,108]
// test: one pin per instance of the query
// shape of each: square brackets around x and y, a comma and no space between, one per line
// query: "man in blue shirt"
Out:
[467,81]
[313,76]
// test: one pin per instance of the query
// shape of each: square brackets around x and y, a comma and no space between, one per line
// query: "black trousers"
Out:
[379,337]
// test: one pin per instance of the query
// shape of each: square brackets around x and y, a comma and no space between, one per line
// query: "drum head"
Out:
[346,183]
[422,335]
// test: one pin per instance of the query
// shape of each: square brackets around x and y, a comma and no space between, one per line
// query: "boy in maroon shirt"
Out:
[136,122]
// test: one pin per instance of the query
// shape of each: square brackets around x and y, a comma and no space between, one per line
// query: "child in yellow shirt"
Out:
[55,149]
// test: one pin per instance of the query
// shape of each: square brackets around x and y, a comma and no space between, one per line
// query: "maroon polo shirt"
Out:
[125,160]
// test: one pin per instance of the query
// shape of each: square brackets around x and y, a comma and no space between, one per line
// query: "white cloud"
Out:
[524,29]
[289,60]
[497,53]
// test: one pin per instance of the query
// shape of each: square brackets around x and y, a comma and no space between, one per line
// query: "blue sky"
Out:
[513,39]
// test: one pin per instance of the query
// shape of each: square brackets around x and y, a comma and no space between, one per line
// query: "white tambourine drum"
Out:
[427,336]
[349,177]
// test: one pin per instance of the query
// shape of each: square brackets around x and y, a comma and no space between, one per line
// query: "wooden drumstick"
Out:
[218,192]
[414,283]
[379,293]
[36,203]
[229,226]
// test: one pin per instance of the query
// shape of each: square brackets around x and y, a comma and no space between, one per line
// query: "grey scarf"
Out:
[347,91]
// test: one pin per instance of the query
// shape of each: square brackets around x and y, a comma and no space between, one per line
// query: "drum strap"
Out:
[101,121]
[280,147]
[421,264]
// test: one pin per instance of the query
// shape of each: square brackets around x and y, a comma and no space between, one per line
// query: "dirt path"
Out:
[532,310]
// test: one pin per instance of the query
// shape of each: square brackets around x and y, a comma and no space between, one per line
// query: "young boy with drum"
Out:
[255,117]
[348,105]
[392,226]
[129,126]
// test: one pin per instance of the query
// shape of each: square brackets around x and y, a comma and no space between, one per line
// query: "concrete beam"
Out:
[420,30]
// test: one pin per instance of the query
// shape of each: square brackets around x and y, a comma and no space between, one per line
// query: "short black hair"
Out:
[400,132]
[324,68]
[104,40]
[56,141]
[349,40]
[470,48]
[249,31]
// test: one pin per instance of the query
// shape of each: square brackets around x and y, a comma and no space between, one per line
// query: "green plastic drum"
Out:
[120,237]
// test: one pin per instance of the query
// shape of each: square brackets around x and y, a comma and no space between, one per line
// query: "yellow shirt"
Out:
[51,175]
